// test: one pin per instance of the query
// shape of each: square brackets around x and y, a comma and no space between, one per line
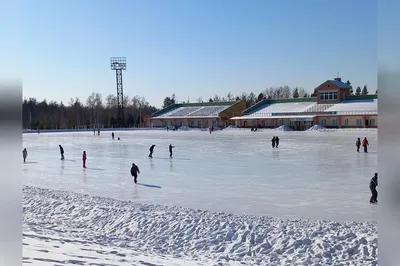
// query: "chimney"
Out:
[338,79]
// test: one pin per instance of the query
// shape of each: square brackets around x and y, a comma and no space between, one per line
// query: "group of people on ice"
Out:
[275,142]
[363,143]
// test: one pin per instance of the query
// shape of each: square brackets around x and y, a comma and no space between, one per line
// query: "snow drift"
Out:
[195,234]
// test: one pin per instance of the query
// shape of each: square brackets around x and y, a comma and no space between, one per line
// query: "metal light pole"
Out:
[118,64]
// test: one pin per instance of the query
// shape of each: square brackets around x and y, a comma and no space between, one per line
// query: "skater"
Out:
[119,138]
[209,129]
[112,135]
[273,142]
[98,132]
[365,144]
[24,154]
[372,186]
[358,144]
[151,151]
[62,152]
[134,172]
[84,159]
[277,141]
[170,150]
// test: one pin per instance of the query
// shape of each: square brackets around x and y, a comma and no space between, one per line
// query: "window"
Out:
[323,122]
[328,96]
[199,123]
[280,122]
[372,122]
[334,122]
[359,122]
[254,123]
[346,122]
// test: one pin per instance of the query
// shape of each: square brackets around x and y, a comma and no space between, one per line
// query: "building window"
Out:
[328,96]
[372,122]
[254,123]
[323,122]
[199,123]
[346,122]
[280,122]
[334,122]
[359,122]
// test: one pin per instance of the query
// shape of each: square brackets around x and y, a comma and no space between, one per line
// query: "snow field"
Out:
[89,227]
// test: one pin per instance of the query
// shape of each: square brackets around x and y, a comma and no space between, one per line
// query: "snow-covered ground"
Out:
[199,207]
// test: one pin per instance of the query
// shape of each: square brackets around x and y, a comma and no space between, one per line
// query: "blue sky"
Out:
[193,48]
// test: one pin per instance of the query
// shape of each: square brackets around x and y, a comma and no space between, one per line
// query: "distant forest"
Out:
[97,111]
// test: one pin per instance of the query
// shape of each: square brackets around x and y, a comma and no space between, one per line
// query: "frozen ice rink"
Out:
[316,175]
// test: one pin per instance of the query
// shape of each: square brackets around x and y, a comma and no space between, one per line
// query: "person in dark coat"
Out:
[24,154]
[62,152]
[134,172]
[358,144]
[151,151]
[112,135]
[170,150]
[273,142]
[277,141]
[372,186]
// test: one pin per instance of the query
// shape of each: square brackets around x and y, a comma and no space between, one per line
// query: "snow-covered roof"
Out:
[194,112]
[291,107]
[368,106]
[300,117]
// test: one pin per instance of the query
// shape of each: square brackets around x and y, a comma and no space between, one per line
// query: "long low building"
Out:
[197,115]
[333,107]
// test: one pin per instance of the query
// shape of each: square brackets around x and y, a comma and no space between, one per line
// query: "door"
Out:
[366,122]
[244,123]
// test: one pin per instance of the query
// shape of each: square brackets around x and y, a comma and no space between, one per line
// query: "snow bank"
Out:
[322,128]
[91,130]
[196,234]
[316,128]
[284,128]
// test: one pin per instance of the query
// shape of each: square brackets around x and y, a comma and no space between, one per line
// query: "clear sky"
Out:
[194,48]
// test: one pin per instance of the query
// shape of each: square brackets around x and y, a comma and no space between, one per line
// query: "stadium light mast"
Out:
[118,64]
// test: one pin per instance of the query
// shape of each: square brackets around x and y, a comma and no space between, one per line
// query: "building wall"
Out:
[233,110]
[353,121]
[328,87]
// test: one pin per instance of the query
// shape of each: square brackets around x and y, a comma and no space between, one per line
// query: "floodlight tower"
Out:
[118,64]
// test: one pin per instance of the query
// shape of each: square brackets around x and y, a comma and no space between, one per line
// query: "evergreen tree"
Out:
[358,91]
[351,87]
[365,90]
[295,93]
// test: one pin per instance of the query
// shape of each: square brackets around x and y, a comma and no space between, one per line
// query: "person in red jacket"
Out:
[84,159]
[365,144]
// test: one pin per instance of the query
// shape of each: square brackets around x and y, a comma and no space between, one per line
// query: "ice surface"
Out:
[317,175]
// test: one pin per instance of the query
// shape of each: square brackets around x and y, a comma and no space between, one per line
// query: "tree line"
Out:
[94,112]
[282,92]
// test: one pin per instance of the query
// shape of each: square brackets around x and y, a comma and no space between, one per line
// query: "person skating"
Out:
[98,132]
[134,172]
[358,144]
[170,150]
[151,151]
[84,159]
[365,144]
[277,141]
[112,135]
[61,152]
[372,186]
[24,154]
[273,142]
